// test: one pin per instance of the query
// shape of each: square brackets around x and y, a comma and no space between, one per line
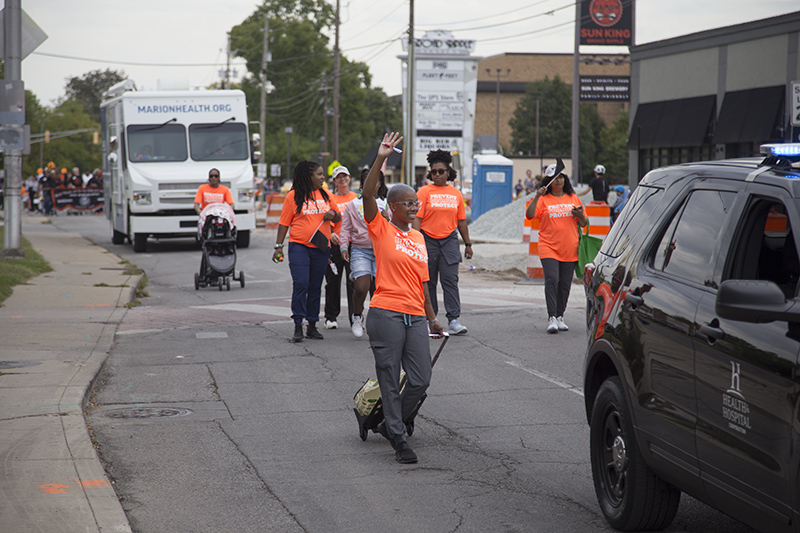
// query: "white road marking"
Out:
[248,308]
[548,378]
[211,335]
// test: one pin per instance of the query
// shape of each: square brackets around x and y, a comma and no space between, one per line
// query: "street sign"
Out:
[332,166]
[795,103]
[275,170]
[32,35]
[261,170]
[12,138]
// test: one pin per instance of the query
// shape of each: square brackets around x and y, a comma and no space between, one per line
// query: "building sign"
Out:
[445,88]
[795,103]
[606,22]
[605,88]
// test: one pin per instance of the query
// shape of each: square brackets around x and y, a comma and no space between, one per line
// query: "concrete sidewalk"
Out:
[56,332]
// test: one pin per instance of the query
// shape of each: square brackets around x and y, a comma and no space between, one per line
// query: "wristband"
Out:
[278,246]
[467,244]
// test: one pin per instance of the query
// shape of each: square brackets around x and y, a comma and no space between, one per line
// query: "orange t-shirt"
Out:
[304,224]
[442,208]
[206,194]
[558,231]
[401,262]
[342,201]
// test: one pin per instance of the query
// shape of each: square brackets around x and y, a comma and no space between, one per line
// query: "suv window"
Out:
[765,248]
[686,247]
[635,216]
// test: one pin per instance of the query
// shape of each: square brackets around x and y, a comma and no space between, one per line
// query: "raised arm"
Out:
[371,184]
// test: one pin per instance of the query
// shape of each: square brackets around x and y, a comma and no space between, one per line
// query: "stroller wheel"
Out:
[228,283]
[196,281]
[241,278]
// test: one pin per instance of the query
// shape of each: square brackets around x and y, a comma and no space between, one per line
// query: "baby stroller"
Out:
[217,236]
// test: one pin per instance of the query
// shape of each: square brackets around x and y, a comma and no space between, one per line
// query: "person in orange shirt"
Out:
[212,192]
[333,275]
[443,212]
[400,310]
[309,211]
[560,212]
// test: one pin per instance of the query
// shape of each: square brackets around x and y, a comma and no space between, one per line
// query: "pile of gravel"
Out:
[501,224]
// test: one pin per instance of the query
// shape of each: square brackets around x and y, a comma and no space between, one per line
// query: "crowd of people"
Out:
[38,189]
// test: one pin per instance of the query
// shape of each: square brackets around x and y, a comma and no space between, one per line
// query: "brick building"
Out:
[516,70]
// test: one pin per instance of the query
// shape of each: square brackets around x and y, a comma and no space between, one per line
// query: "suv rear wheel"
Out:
[631,496]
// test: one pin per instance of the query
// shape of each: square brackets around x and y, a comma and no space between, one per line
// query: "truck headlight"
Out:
[142,198]
[245,195]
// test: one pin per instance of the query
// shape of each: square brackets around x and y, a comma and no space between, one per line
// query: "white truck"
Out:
[158,147]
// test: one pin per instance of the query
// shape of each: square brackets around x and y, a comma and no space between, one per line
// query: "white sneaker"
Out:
[552,325]
[358,326]
[331,324]
[561,325]
[456,328]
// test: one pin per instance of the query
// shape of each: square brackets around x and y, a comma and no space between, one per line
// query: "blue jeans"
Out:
[307,265]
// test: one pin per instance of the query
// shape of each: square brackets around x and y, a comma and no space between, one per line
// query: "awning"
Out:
[750,115]
[672,123]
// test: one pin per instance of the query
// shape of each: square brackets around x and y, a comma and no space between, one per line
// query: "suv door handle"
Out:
[711,332]
[634,299]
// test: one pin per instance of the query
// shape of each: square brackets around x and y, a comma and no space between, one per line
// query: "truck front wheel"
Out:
[118,237]
[243,239]
[140,242]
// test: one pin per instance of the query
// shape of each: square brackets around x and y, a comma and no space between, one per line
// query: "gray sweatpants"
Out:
[443,259]
[399,340]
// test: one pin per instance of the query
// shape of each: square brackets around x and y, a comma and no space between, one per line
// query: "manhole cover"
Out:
[18,364]
[148,412]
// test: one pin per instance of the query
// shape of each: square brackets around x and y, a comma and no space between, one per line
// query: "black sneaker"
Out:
[383,431]
[405,454]
[312,332]
[298,333]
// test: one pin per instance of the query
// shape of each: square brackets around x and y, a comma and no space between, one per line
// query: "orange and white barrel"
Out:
[599,215]
[274,207]
[534,274]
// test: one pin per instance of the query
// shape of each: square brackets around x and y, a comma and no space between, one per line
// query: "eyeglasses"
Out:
[213,175]
[435,171]
[410,203]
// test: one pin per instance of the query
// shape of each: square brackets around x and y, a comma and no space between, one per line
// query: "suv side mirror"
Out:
[755,301]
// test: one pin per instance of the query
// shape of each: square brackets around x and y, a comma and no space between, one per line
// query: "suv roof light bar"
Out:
[781,150]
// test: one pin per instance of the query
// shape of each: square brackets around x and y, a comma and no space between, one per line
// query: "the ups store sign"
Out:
[606,22]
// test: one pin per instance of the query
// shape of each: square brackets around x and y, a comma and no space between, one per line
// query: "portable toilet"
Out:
[492,182]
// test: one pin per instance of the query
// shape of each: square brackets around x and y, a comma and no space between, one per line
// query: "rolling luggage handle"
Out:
[445,336]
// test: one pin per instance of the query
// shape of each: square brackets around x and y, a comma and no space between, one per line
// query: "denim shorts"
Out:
[362,262]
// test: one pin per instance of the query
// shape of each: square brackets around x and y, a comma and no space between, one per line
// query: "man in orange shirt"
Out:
[212,192]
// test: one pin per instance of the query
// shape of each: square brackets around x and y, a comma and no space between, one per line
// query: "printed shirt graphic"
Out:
[206,194]
[303,225]
[342,201]
[401,261]
[442,208]
[558,232]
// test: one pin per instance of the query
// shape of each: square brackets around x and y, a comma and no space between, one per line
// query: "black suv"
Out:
[691,377]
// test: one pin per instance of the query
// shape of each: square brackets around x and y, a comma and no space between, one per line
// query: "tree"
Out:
[300,76]
[74,150]
[614,152]
[555,125]
[88,89]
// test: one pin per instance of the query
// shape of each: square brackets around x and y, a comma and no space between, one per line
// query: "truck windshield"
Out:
[218,142]
[156,143]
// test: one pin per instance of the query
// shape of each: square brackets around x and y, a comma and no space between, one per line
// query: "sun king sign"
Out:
[606,22]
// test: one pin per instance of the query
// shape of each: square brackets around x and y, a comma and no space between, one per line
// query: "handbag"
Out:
[588,247]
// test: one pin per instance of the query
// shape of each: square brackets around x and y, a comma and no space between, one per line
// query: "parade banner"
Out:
[78,200]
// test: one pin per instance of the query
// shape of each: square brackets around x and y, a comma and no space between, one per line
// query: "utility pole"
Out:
[226,82]
[12,18]
[408,142]
[336,88]
[576,82]
[262,122]
[497,123]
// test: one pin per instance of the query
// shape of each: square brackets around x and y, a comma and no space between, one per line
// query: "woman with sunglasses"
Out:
[441,214]
[560,212]
[400,310]
[306,209]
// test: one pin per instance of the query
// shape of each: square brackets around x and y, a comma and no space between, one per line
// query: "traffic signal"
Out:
[47,136]
[96,137]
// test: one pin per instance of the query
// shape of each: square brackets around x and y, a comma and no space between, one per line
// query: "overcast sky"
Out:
[158,39]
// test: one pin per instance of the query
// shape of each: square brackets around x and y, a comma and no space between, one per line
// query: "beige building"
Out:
[514,71]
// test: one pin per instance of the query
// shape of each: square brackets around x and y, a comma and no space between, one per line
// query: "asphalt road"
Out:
[209,419]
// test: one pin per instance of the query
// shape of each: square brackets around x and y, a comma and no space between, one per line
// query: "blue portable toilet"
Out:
[492,182]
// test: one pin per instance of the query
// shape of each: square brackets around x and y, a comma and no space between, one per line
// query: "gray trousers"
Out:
[443,259]
[399,340]
[557,281]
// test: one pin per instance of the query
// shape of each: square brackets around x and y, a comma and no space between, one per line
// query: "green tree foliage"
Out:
[88,89]
[300,79]
[555,125]
[614,152]
[73,150]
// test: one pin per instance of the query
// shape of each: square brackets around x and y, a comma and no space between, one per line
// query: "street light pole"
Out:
[288,132]
[41,145]
[497,123]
